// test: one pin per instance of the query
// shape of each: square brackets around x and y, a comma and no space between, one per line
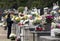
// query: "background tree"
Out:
[30,3]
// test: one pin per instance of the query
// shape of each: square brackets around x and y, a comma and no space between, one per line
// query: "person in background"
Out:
[9,24]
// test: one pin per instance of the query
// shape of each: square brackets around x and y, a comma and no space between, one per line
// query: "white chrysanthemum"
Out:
[53,24]
[12,35]
[53,12]
[56,18]
[12,19]
[29,16]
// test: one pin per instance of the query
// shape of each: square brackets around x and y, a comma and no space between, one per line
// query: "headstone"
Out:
[45,10]
[38,11]
[25,10]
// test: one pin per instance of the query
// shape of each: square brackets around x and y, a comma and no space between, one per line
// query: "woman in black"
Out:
[9,24]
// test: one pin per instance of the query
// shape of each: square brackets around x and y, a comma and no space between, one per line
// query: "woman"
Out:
[9,24]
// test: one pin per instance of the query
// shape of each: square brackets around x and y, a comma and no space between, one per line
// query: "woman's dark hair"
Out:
[8,15]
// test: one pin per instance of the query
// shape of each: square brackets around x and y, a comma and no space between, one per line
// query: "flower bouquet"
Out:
[39,28]
[12,36]
[36,22]
[25,17]
[17,19]
[35,15]
[53,25]
[49,19]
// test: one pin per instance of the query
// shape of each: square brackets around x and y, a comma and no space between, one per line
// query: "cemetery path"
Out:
[3,34]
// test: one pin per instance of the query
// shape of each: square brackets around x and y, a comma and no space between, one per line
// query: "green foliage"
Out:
[34,15]
[35,4]
[21,9]
[29,3]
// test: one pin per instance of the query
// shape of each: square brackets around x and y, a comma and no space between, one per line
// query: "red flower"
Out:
[39,29]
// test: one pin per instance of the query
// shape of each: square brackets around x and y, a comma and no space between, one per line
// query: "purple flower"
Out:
[49,17]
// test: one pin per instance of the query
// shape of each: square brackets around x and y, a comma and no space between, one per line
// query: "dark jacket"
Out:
[9,22]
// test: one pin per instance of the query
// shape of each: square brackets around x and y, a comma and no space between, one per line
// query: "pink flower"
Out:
[58,25]
[20,24]
[30,17]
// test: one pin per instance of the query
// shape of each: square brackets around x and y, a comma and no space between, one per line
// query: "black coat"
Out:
[9,22]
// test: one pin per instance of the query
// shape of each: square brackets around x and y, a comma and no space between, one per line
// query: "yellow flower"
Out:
[6,16]
[17,19]
[39,18]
